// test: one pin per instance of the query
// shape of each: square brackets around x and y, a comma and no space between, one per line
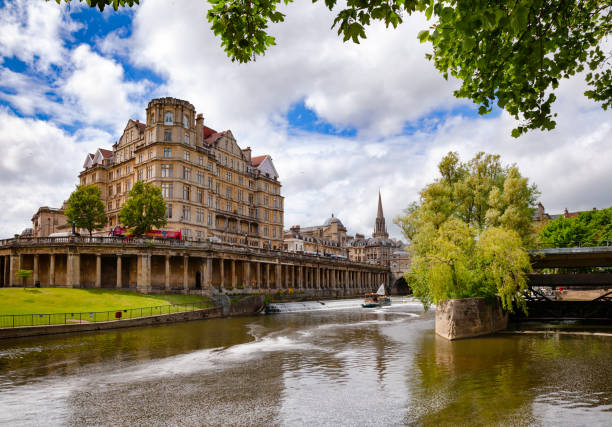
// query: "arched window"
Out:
[168,118]
[186,121]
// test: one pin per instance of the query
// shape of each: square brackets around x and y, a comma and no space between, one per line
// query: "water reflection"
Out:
[344,366]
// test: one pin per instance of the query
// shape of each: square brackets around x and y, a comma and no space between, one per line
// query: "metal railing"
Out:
[41,319]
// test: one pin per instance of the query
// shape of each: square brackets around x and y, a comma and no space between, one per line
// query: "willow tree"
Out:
[469,232]
[509,53]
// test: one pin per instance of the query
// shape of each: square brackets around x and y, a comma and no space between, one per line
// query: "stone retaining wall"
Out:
[469,317]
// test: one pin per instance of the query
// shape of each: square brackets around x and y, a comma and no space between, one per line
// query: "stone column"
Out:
[98,271]
[258,267]
[143,280]
[185,272]
[278,276]
[15,265]
[167,273]
[209,267]
[234,274]
[52,270]
[222,272]
[73,270]
[119,283]
[246,273]
[35,272]
[267,276]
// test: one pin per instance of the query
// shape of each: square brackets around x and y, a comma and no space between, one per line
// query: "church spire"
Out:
[380,211]
[380,229]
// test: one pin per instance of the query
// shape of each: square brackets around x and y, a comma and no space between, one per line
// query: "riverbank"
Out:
[243,307]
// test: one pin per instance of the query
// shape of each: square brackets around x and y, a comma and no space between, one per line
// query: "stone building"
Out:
[317,240]
[48,221]
[213,188]
[378,248]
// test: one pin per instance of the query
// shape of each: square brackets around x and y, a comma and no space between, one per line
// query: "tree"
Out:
[85,208]
[469,230]
[144,208]
[481,193]
[587,228]
[509,53]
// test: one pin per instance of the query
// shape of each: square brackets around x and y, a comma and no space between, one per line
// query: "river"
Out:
[337,365]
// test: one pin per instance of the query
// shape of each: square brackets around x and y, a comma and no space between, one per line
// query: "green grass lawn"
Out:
[21,301]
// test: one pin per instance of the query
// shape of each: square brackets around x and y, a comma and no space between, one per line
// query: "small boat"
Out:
[376,299]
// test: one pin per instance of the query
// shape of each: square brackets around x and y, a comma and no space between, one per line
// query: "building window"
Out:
[167,190]
[186,139]
[228,206]
[275,202]
[186,213]
[265,199]
[266,216]
[210,166]
[167,152]
[110,176]
[209,219]
[168,118]
[140,158]
[149,172]
[185,192]
[251,184]
[117,204]
[200,178]
[240,180]
[139,174]
[167,135]
[200,160]
[186,121]
[150,154]
[209,200]
[273,232]
[216,203]
[265,231]
[118,188]
[128,185]
[274,217]
[199,195]
[240,195]
[169,209]
[187,155]
[228,176]
[228,192]
[150,136]
[199,215]
[118,173]
[109,206]
[166,171]
[186,173]
[128,168]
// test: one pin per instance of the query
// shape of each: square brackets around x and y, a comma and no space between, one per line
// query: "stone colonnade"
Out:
[172,270]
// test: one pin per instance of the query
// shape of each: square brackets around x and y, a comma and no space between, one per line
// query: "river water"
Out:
[337,365]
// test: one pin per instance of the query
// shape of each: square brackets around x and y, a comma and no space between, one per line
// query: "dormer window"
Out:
[186,121]
[168,118]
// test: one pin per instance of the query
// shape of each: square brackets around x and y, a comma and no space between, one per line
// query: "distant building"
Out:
[378,248]
[326,239]
[48,220]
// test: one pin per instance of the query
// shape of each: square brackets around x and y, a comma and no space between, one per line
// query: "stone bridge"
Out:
[157,265]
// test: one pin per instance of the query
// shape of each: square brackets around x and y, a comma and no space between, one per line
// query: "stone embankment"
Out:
[243,307]
[469,317]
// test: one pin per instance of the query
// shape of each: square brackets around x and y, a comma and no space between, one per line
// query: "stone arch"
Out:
[400,287]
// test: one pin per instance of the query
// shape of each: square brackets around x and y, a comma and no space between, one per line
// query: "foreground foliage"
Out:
[85,208]
[468,232]
[509,53]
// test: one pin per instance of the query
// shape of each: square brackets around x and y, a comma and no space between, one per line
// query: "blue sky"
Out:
[340,120]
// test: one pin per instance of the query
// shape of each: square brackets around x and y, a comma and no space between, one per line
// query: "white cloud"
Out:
[39,166]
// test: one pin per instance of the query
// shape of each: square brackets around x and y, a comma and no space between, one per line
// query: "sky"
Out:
[341,121]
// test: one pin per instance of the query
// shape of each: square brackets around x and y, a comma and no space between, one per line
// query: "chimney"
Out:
[247,154]
[540,211]
[199,130]
[566,213]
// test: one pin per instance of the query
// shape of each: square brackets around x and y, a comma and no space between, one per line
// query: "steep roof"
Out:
[208,132]
[107,154]
[256,161]
[214,137]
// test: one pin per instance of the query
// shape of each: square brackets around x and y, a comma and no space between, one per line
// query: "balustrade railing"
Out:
[573,244]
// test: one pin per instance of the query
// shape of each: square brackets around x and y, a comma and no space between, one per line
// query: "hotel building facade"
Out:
[214,190]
